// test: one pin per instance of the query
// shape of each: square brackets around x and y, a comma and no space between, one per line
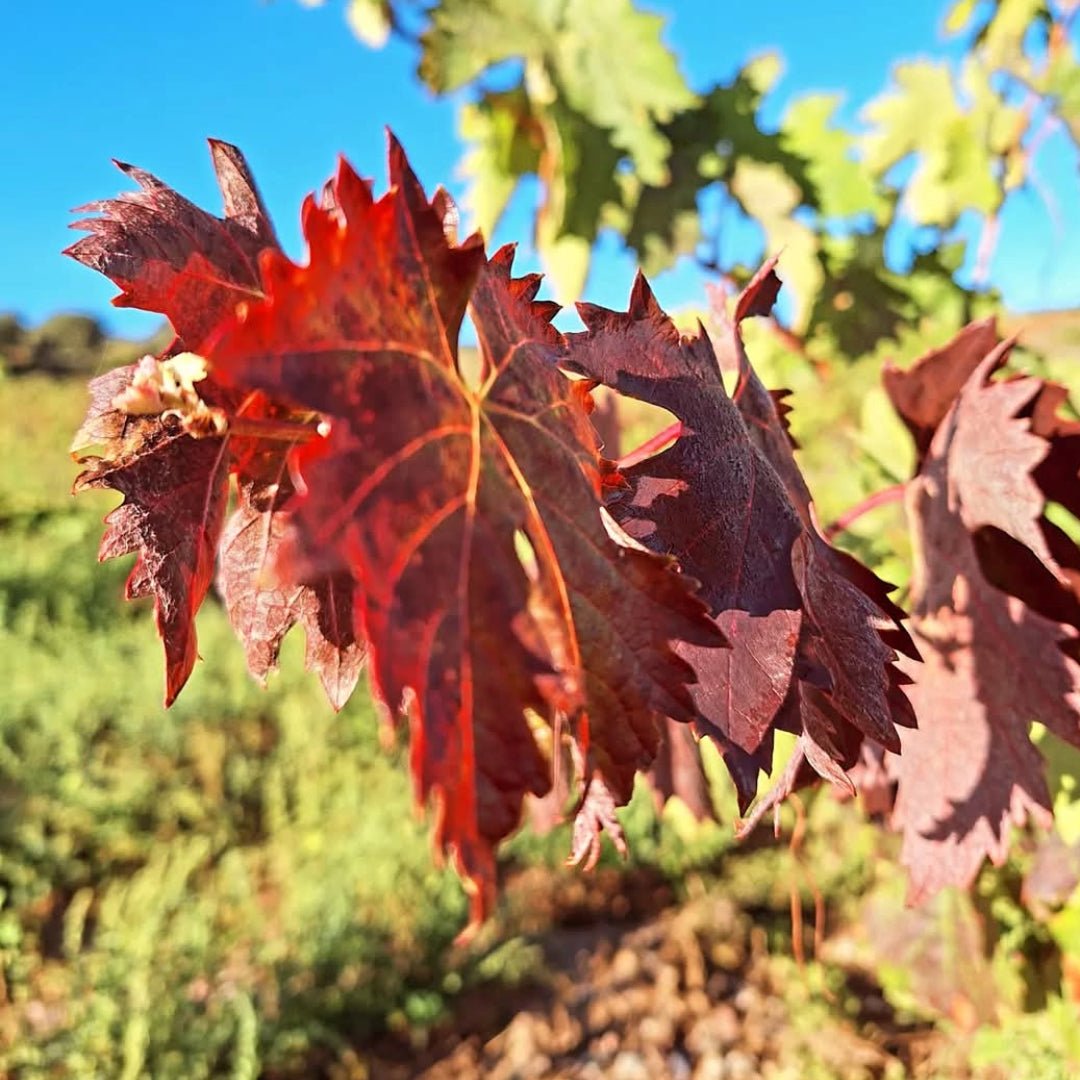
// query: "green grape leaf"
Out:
[766,193]
[604,59]
[841,184]
[662,221]
[580,163]
[956,143]
[465,38]
[506,141]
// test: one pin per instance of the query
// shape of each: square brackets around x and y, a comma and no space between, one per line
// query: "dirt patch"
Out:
[634,988]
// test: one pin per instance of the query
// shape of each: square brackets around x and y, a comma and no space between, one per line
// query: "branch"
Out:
[984,254]
[891,494]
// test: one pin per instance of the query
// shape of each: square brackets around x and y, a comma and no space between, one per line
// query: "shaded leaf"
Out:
[263,610]
[923,393]
[678,771]
[806,652]
[994,662]
[170,256]
[175,492]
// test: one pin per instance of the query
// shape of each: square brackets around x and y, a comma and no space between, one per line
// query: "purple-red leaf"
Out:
[990,602]
[175,492]
[263,610]
[170,256]
[811,636]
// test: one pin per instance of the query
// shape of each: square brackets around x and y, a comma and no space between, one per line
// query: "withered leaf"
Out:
[169,256]
[175,492]
[263,609]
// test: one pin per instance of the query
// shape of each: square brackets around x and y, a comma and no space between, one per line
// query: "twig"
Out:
[891,494]
[984,254]
[273,430]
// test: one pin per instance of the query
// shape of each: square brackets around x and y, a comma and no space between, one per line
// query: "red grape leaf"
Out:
[678,771]
[594,817]
[263,610]
[807,652]
[993,662]
[175,492]
[924,393]
[470,516]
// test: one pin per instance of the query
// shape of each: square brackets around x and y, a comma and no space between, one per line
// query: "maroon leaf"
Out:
[263,611]
[175,491]
[678,771]
[594,817]
[924,393]
[803,621]
[168,255]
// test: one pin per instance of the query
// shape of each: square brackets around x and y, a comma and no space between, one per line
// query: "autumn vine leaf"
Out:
[519,597]
[811,636]
[993,605]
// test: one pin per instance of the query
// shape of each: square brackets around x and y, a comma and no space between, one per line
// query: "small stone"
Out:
[667,979]
[747,998]
[726,1024]
[678,1065]
[739,1066]
[625,966]
[604,1047]
[629,1066]
[710,1068]
[657,1031]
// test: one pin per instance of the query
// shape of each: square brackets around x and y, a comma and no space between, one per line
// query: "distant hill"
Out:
[71,344]
[67,344]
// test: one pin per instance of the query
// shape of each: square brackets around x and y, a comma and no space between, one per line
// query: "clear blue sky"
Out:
[146,81]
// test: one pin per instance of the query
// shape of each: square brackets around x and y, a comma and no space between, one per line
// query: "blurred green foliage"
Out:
[588,99]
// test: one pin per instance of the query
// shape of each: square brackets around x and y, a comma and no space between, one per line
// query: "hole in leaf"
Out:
[470,361]
[644,427]
[526,554]
[1064,519]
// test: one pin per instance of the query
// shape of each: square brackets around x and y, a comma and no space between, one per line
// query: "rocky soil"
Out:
[633,988]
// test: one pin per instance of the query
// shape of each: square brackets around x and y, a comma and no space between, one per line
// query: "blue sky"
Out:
[146,82]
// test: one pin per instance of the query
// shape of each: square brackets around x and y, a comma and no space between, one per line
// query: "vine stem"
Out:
[984,256]
[891,494]
[273,430]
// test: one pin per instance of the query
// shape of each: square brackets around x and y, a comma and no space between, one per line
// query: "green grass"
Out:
[239,879]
